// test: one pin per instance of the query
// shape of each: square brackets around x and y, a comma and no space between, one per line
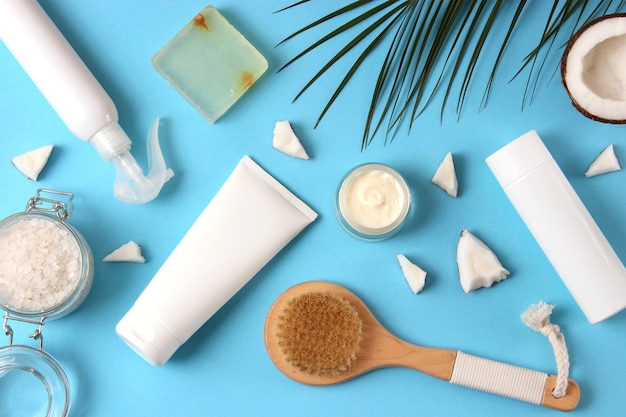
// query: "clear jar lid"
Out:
[32,383]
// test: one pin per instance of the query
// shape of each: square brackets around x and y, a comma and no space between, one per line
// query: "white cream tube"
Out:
[249,220]
[562,226]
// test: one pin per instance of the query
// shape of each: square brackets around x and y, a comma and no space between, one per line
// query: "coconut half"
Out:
[593,69]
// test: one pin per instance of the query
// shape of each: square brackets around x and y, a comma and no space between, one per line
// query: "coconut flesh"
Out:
[32,162]
[128,252]
[593,69]
[445,176]
[479,267]
[414,275]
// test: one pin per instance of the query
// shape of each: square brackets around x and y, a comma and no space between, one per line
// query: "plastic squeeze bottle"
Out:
[248,222]
[561,225]
[78,98]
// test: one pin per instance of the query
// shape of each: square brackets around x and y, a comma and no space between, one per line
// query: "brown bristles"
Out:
[319,333]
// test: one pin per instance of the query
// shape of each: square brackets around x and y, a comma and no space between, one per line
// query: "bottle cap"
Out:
[147,336]
[518,158]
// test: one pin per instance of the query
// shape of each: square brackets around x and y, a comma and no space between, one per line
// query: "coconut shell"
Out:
[566,53]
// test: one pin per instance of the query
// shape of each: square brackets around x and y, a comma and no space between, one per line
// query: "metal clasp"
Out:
[62,209]
[36,335]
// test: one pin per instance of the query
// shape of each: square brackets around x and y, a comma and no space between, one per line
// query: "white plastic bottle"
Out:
[562,226]
[77,97]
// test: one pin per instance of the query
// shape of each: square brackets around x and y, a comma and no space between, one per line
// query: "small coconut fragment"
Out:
[286,141]
[478,265]
[445,176]
[31,163]
[414,275]
[128,252]
[604,163]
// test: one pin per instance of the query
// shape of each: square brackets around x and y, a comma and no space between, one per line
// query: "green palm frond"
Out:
[435,45]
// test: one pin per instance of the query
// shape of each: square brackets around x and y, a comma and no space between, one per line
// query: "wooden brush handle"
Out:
[469,371]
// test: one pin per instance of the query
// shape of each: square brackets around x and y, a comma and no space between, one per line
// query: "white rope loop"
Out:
[537,317]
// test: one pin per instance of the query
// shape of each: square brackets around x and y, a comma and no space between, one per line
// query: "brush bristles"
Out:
[319,333]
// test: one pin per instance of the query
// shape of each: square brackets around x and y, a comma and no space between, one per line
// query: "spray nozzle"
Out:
[131,186]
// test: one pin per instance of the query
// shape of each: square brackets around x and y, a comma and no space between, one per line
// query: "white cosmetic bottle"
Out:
[250,219]
[561,225]
[78,98]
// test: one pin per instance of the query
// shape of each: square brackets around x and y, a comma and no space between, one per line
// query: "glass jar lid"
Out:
[32,383]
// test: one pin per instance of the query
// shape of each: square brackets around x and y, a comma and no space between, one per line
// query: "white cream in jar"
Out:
[373,201]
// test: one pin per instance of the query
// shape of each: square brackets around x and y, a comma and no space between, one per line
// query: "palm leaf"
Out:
[400,58]
[358,62]
[350,45]
[383,74]
[520,8]
[433,46]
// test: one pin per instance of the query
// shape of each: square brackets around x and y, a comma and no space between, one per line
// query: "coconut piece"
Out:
[31,163]
[128,252]
[604,163]
[445,176]
[592,69]
[286,141]
[478,265]
[414,275]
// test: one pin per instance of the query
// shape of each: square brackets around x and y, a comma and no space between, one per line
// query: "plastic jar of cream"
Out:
[373,202]
[46,271]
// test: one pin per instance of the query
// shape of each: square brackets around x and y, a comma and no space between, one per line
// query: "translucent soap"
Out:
[210,63]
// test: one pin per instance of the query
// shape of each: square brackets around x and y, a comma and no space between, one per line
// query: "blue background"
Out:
[223,370]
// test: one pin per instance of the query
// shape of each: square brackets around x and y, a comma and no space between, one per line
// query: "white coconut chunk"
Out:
[31,163]
[604,163]
[414,275]
[478,265]
[286,141]
[445,176]
[128,252]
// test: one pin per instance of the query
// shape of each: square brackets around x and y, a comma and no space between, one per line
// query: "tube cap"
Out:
[518,158]
[147,336]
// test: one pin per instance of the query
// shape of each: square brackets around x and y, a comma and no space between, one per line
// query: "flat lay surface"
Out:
[224,368]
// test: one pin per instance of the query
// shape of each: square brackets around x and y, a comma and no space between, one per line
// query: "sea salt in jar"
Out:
[46,266]
[373,202]
[46,271]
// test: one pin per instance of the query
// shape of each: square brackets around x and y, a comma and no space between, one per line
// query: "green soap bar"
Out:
[210,63]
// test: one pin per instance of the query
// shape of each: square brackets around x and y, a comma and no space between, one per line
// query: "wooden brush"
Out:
[319,333]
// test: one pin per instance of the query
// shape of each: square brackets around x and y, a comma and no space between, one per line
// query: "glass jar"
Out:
[373,202]
[46,271]
[33,383]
